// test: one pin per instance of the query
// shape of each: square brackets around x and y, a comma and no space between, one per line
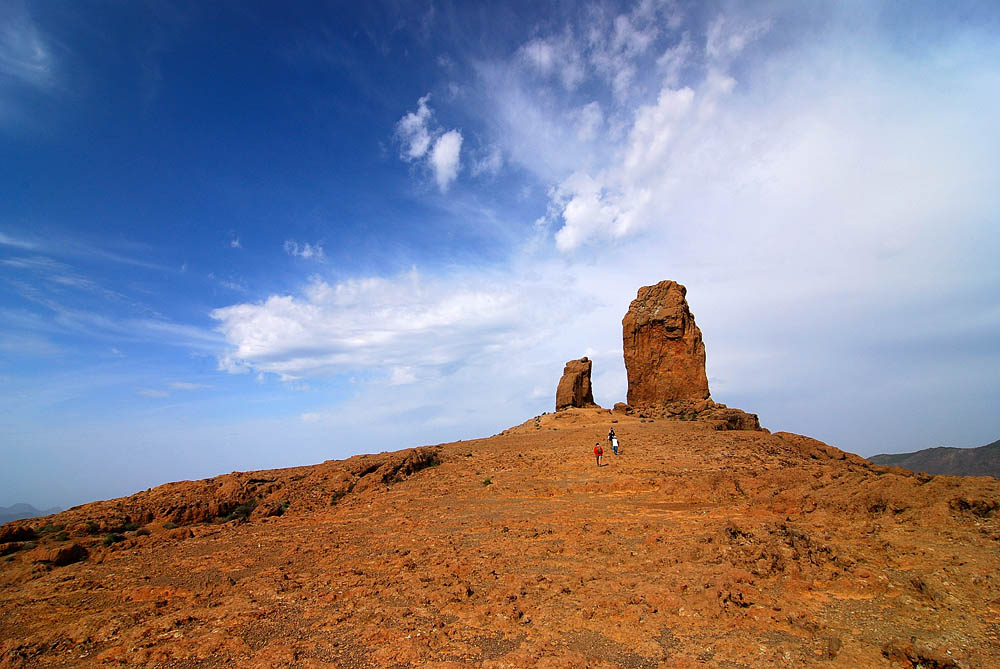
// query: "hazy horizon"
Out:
[238,238]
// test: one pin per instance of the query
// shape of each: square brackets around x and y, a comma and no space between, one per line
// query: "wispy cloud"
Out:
[65,246]
[152,393]
[7,240]
[304,250]
[187,385]
[25,55]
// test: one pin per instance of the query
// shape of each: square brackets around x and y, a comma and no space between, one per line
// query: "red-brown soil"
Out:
[694,547]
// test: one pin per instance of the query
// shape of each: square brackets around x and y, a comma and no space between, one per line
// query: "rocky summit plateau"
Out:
[707,541]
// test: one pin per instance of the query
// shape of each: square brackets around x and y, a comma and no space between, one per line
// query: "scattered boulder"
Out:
[64,555]
[16,533]
[730,419]
[574,388]
[663,348]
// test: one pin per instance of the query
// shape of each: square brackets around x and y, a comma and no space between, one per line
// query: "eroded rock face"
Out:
[574,388]
[64,555]
[664,352]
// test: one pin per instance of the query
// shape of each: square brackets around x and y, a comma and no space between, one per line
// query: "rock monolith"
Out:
[664,352]
[574,388]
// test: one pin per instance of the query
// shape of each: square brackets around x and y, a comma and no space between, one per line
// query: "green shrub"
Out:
[113,539]
[61,536]
[487,481]
[170,525]
[51,529]
[142,532]
[92,527]
[129,527]
[243,511]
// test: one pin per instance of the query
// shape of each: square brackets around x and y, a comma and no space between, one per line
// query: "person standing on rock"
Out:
[598,452]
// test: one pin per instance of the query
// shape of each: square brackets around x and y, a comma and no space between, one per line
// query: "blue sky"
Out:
[236,236]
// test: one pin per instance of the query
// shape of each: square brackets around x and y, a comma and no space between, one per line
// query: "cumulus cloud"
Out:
[408,323]
[420,139]
[413,132]
[444,158]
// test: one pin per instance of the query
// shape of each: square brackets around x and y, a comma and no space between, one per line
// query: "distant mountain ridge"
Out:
[981,461]
[22,511]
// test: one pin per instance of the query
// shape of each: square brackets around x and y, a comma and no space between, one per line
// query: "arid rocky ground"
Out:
[694,547]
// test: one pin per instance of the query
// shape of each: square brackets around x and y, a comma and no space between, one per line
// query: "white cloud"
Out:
[410,322]
[443,332]
[588,121]
[152,393]
[444,158]
[488,162]
[729,34]
[413,131]
[674,60]
[234,243]
[7,240]
[541,54]
[558,56]
[187,385]
[305,250]
[25,55]
[400,376]
[421,140]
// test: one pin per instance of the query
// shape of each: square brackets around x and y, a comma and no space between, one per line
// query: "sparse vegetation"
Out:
[61,536]
[243,511]
[92,527]
[113,539]
[142,532]
[487,481]
[170,525]
[51,529]
[340,494]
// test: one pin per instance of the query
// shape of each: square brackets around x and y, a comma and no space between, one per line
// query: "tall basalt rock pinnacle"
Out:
[664,353]
[574,388]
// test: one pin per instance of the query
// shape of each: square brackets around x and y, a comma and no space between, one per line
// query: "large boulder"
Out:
[574,388]
[64,555]
[664,353]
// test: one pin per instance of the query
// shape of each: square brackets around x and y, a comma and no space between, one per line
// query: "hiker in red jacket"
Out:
[598,452]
